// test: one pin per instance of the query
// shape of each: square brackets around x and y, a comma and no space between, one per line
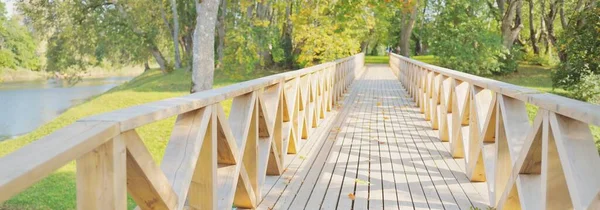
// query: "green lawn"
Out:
[58,190]
[377,59]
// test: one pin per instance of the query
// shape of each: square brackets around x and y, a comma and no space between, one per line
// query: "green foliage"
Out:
[325,31]
[90,33]
[580,73]
[17,46]
[542,59]
[464,41]
[587,89]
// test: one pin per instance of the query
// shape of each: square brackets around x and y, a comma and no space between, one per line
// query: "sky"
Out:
[9,6]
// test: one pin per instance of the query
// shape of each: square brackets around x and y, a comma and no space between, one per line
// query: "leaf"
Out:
[351,196]
[302,157]
[378,103]
[358,181]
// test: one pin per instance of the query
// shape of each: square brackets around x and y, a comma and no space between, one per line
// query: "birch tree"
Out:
[203,61]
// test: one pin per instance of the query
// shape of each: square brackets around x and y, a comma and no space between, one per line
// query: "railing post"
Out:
[101,177]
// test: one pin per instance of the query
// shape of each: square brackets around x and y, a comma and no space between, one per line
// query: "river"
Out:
[24,106]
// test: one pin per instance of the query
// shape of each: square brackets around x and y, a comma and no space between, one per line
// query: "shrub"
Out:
[587,89]
[581,43]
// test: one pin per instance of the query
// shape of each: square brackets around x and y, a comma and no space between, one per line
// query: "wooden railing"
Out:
[551,163]
[211,161]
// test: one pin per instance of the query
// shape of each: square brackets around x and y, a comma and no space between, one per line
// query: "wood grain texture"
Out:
[525,165]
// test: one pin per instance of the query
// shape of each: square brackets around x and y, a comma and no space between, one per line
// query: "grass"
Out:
[58,191]
[377,59]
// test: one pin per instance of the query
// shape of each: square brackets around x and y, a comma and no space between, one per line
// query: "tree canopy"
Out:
[475,36]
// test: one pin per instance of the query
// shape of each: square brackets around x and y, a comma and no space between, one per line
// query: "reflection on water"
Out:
[24,106]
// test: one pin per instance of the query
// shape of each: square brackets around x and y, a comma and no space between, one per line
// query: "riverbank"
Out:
[57,191]
[22,75]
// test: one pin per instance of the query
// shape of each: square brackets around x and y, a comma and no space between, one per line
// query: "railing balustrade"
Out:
[211,161]
[551,163]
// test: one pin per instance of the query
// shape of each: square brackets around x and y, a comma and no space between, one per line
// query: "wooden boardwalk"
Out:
[377,153]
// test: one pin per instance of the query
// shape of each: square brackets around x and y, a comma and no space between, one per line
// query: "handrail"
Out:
[211,160]
[551,163]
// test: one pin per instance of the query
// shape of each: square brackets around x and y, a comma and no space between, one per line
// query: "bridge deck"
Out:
[378,152]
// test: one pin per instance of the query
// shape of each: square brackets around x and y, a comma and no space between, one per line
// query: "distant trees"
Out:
[17,46]
[580,45]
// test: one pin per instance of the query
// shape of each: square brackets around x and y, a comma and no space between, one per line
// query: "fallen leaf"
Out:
[302,157]
[385,118]
[351,196]
[381,142]
[378,103]
[358,181]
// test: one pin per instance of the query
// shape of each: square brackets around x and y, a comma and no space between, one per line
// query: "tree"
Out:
[176,33]
[17,46]
[88,33]
[203,64]
[532,32]
[409,18]
[511,21]
[581,42]
[464,39]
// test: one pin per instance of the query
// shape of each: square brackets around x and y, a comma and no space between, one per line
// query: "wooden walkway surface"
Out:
[377,153]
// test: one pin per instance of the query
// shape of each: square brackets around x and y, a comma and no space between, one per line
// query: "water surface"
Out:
[24,106]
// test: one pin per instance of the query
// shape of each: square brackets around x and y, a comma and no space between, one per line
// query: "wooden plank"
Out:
[101,177]
[579,160]
[250,162]
[298,168]
[146,183]
[227,147]
[324,192]
[334,192]
[584,112]
[390,171]
[203,189]
[555,190]
[314,185]
[239,123]
[183,150]
[52,152]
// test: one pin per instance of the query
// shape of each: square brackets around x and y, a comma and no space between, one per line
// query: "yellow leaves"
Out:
[351,196]
[378,103]
[386,118]
[336,130]
[359,181]
[302,157]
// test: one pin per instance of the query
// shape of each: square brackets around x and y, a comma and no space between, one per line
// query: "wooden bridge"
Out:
[333,136]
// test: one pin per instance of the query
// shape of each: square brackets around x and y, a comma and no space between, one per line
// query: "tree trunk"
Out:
[158,56]
[176,33]
[418,46]
[549,21]
[286,38]
[146,66]
[512,16]
[364,46]
[221,32]
[203,64]
[532,33]
[407,28]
